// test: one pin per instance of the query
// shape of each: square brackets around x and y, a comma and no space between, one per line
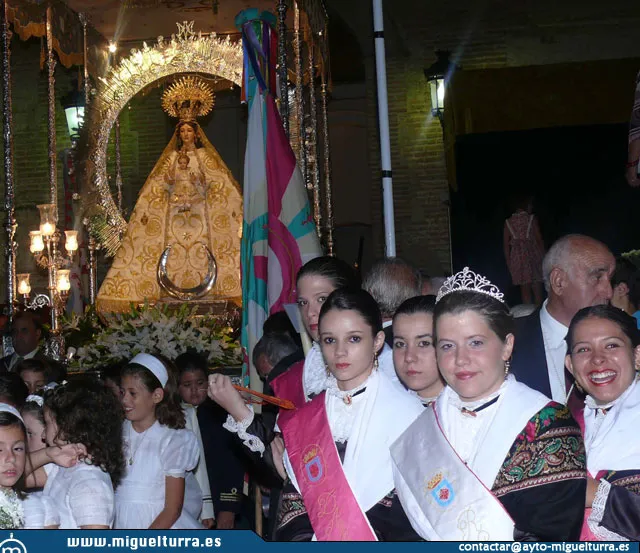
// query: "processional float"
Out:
[303,82]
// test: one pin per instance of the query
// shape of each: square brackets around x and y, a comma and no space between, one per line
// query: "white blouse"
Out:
[150,457]
[82,495]
[39,512]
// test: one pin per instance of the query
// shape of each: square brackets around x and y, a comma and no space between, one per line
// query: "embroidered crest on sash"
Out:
[313,463]
[440,489]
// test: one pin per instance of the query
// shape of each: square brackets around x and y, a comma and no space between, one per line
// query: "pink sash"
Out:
[289,384]
[332,508]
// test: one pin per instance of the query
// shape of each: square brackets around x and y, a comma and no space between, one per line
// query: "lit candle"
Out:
[47,219]
[37,244]
[47,229]
[71,244]
[63,283]
[24,287]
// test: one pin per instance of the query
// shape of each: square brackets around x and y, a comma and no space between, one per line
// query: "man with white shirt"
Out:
[577,271]
[26,332]
[391,281]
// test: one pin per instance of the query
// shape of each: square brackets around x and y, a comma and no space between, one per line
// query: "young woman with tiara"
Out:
[337,444]
[414,354]
[159,489]
[84,416]
[490,459]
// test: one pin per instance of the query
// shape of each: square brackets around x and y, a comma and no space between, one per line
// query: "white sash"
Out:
[615,445]
[443,497]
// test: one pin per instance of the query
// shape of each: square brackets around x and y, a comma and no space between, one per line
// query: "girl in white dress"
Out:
[13,453]
[41,512]
[82,412]
[159,490]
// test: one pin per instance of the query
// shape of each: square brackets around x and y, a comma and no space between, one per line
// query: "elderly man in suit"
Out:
[577,271]
[26,332]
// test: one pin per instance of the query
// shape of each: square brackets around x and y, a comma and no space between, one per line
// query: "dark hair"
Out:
[494,312]
[419,304]
[280,323]
[197,142]
[30,315]
[354,299]
[340,274]
[87,412]
[112,372]
[13,390]
[275,346]
[191,362]
[626,323]
[169,411]
[9,420]
[52,370]
[33,408]
[626,272]
[33,365]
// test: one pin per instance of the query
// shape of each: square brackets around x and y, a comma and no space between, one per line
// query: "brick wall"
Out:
[498,34]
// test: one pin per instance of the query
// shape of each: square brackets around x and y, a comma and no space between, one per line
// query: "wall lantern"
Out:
[438,75]
[73,104]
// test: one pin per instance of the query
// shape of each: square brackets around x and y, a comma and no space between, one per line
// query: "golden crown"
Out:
[188,98]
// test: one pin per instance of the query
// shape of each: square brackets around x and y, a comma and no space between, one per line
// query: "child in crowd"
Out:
[43,514]
[159,490]
[34,373]
[85,416]
[13,452]
[524,249]
[224,463]
[111,377]
[13,390]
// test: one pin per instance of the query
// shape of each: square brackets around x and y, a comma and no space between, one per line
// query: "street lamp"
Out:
[438,75]
[73,104]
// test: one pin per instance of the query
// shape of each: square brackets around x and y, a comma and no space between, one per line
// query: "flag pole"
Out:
[383,122]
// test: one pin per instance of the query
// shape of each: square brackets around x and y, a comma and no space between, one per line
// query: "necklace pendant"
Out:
[468,412]
[347,400]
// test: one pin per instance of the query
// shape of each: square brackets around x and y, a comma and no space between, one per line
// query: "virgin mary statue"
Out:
[187,219]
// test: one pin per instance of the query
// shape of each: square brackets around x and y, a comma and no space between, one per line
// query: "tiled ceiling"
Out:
[134,20]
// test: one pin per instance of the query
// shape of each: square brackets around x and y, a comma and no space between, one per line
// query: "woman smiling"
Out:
[490,459]
[604,355]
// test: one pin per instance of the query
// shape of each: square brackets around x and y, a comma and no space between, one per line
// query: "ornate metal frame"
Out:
[186,52]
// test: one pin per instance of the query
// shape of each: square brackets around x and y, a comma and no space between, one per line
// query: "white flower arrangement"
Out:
[157,330]
[11,511]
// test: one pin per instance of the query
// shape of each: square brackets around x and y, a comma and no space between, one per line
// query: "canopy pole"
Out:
[383,122]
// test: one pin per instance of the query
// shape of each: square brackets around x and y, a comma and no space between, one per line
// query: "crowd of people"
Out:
[423,410]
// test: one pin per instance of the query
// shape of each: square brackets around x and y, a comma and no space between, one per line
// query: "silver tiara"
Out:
[467,280]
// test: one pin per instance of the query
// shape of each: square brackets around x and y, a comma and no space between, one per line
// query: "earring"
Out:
[326,369]
[507,366]
[375,362]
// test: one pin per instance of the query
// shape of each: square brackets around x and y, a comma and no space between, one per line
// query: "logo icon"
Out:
[441,490]
[12,545]
[313,464]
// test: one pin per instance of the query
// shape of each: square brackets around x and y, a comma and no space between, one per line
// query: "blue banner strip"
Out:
[157,541]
